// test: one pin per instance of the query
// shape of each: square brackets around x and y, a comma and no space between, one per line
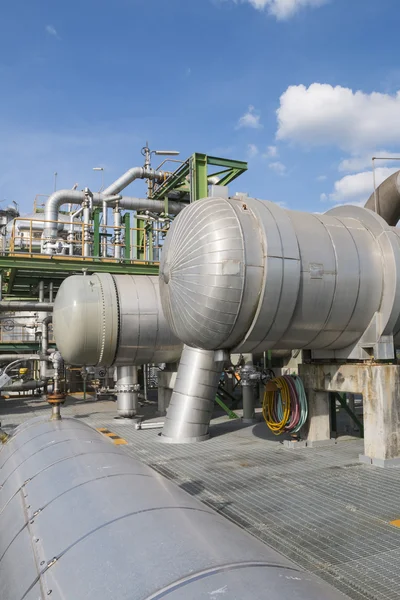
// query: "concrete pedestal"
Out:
[380,386]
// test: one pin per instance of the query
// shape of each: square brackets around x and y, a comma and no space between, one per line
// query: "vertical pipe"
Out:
[145,381]
[248,395]
[117,232]
[105,216]
[192,402]
[248,402]
[51,291]
[86,232]
[127,391]
[41,291]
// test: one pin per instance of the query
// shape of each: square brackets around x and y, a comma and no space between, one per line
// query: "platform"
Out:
[318,506]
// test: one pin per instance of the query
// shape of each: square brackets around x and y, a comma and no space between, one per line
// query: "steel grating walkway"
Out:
[320,507]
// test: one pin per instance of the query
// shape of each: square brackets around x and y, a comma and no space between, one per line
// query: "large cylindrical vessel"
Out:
[81,520]
[244,274]
[104,320]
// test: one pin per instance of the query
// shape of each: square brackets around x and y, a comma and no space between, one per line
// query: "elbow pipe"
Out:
[136,173]
[61,197]
[387,200]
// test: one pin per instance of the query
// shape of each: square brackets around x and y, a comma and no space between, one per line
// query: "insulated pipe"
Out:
[127,390]
[6,306]
[135,173]
[45,346]
[22,357]
[41,291]
[57,199]
[387,199]
[117,232]
[23,386]
[80,518]
[143,204]
[192,401]
[86,230]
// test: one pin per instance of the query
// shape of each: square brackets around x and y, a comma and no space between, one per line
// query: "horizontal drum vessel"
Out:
[80,519]
[246,275]
[105,320]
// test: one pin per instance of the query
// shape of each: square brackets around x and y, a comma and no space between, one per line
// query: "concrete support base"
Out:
[380,386]
[379,462]
[301,444]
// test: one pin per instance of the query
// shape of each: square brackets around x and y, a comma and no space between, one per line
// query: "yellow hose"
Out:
[277,427]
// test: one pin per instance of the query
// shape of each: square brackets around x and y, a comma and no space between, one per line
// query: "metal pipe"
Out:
[23,386]
[145,380]
[41,291]
[127,390]
[22,357]
[248,391]
[105,219]
[156,206]
[86,230]
[56,200]
[248,402]
[135,173]
[117,232]
[51,292]
[45,346]
[7,305]
[192,402]
[49,470]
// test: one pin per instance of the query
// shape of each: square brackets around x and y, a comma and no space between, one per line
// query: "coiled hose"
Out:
[286,409]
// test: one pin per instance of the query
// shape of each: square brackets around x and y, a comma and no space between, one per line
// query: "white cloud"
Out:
[278,167]
[250,119]
[252,151]
[283,9]
[325,115]
[272,152]
[323,197]
[321,178]
[51,30]
[359,187]
[356,163]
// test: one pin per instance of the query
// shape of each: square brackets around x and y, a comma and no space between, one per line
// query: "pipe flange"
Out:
[56,399]
[124,387]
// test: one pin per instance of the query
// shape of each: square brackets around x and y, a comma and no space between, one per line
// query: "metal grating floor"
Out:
[320,507]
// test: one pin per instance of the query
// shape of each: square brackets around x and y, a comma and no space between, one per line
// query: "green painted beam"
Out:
[199,179]
[96,232]
[127,225]
[22,346]
[59,264]
[227,163]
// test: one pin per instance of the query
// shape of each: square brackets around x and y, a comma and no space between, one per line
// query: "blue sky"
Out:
[306,90]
